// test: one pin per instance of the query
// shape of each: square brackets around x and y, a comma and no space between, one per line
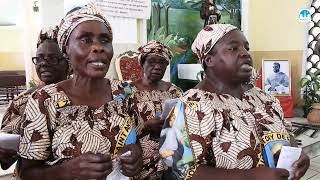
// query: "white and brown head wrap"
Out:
[49,33]
[90,12]
[154,48]
[208,37]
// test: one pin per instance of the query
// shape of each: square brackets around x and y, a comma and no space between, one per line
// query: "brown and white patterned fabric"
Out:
[208,37]
[12,120]
[155,48]
[56,130]
[146,105]
[225,131]
[88,13]
[13,116]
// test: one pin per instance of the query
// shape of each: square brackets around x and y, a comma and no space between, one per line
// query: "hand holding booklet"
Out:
[288,156]
[9,141]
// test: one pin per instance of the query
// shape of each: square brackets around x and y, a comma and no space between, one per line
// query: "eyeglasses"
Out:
[49,60]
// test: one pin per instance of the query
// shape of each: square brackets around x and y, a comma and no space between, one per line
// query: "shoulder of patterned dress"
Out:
[263,96]
[51,94]
[120,89]
[51,88]
[22,98]
[173,89]
[196,95]
[265,101]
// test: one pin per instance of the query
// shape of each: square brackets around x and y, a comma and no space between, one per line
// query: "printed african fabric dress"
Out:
[222,131]
[56,130]
[11,121]
[147,105]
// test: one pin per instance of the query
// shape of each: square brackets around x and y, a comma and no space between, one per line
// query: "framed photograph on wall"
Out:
[276,77]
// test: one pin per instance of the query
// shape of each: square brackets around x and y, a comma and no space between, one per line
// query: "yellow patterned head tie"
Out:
[208,37]
[49,33]
[90,12]
[155,48]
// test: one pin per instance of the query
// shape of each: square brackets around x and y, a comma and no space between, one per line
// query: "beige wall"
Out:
[274,25]
[275,32]
[11,54]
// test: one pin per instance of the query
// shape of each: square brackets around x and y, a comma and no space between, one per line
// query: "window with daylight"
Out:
[11,13]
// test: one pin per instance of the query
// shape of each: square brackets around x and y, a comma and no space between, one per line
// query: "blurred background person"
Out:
[51,67]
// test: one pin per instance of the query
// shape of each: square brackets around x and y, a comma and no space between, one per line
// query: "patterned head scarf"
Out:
[208,37]
[49,33]
[89,12]
[155,48]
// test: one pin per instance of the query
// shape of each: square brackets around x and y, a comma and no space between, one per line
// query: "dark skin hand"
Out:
[7,157]
[85,166]
[154,125]
[265,173]
[301,166]
[89,166]
[260,173]
[131,165]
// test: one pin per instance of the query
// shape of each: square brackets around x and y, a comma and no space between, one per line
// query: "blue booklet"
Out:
[272,144]
[175,148]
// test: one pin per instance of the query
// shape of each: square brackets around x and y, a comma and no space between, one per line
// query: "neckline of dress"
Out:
[151,91]
[245,93]
[111,81]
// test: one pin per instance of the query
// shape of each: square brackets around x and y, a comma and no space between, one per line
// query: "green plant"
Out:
[32,84]
[170,40]
[311,93]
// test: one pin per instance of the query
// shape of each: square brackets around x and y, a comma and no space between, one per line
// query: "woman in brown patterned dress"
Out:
[51,67]
[73,129]
[225,125]
[149,94]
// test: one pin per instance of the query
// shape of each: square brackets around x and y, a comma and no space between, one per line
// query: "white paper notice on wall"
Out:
[189,71]
[288,156]
[138,9]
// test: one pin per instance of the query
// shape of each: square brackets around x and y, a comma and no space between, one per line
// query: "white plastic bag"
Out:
[116,172]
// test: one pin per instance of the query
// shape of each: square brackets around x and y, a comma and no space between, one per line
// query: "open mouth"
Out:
[98,64]
[156,73]
[46,73]
[247,65]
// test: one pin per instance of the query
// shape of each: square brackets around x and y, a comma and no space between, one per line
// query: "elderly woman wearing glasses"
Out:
[51,67]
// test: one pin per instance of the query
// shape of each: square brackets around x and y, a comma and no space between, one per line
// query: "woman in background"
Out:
[51,67]
[149,94]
